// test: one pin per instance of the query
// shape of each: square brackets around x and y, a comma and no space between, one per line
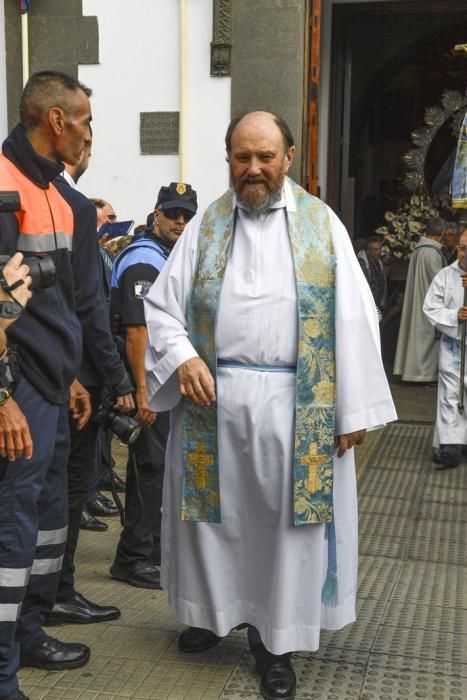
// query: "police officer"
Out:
[135,270]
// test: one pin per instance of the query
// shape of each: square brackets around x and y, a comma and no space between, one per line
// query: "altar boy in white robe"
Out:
[444,308]
[264,342]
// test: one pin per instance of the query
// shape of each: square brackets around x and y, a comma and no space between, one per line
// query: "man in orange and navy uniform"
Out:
[55,122]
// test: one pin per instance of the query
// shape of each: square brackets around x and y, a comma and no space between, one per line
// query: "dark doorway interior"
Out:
[390,61]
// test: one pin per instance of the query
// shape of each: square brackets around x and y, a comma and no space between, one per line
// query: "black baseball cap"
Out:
[177,194]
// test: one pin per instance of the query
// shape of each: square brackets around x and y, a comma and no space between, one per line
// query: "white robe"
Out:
[417,347]
[255,566]
[443,300]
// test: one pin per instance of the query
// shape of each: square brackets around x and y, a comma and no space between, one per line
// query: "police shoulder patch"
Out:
[141,288]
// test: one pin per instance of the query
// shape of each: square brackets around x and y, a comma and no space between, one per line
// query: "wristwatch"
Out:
[10,309]
[5,393]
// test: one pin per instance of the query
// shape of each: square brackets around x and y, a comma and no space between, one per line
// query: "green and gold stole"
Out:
[311,241]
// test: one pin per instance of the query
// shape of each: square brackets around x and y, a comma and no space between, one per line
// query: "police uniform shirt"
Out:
[135,271]
[134,284]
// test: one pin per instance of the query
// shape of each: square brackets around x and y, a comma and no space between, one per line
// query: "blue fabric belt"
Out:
[256,368]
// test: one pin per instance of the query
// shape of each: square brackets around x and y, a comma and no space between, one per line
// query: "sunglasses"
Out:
[175,212]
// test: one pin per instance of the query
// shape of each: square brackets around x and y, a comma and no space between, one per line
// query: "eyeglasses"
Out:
[111,217]
[176,212]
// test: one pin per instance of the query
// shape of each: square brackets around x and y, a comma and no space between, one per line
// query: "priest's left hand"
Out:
[348,440]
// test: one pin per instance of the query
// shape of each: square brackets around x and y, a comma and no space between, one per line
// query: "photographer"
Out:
[55,123]
[15,438]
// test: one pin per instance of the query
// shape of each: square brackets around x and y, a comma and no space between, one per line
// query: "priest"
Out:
[264,343]
[445,310]
[417,344]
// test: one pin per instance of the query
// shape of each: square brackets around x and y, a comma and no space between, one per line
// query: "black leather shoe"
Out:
[89,522]
[278,682]
[142,574]
[196,639]
[17,695]
[54,655]
[445,461]
[103,507]
[78,610]
[119,484]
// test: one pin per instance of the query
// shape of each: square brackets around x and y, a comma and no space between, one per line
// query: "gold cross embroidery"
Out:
[200,460]
[313,461]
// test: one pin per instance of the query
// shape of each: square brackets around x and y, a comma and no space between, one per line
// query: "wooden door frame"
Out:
[311,90]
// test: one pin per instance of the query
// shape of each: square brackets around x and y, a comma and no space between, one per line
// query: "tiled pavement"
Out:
[410,638]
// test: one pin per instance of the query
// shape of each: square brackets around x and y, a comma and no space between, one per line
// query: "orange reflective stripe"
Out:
[45,219]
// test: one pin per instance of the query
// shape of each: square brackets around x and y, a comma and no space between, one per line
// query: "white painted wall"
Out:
[3,103]
[139,72]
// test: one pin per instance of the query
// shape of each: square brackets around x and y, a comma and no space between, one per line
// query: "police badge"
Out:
[141,288]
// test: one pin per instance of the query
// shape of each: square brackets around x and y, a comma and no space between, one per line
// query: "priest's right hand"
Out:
[196,382]
[462,313]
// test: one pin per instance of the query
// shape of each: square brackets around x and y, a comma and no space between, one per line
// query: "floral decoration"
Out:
[405,225]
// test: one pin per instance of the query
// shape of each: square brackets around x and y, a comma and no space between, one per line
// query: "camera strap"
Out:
[8,289]
[115,496]
[113,489]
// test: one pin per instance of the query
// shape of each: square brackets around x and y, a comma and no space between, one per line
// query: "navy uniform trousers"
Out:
[81,462]
[33,530]
[140,539]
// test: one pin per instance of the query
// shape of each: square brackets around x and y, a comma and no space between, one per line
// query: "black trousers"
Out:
[104,462]
[81,464]
[140,539]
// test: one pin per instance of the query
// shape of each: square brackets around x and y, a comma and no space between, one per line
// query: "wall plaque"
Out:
[159,133]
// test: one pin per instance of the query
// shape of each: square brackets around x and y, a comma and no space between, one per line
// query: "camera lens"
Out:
[42,271]
[125,427]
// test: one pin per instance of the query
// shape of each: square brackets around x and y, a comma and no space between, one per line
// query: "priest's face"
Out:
[258,161]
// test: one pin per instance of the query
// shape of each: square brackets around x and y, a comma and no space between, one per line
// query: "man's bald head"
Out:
[260,118]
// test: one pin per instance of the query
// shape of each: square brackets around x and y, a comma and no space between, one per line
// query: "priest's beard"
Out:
[258,193]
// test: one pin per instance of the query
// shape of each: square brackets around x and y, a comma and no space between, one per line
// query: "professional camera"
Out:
[42,267]
[126,428]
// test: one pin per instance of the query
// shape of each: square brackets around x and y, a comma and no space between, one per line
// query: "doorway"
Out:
[390,61]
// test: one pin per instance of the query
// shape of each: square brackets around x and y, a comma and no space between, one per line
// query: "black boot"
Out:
[278,680]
